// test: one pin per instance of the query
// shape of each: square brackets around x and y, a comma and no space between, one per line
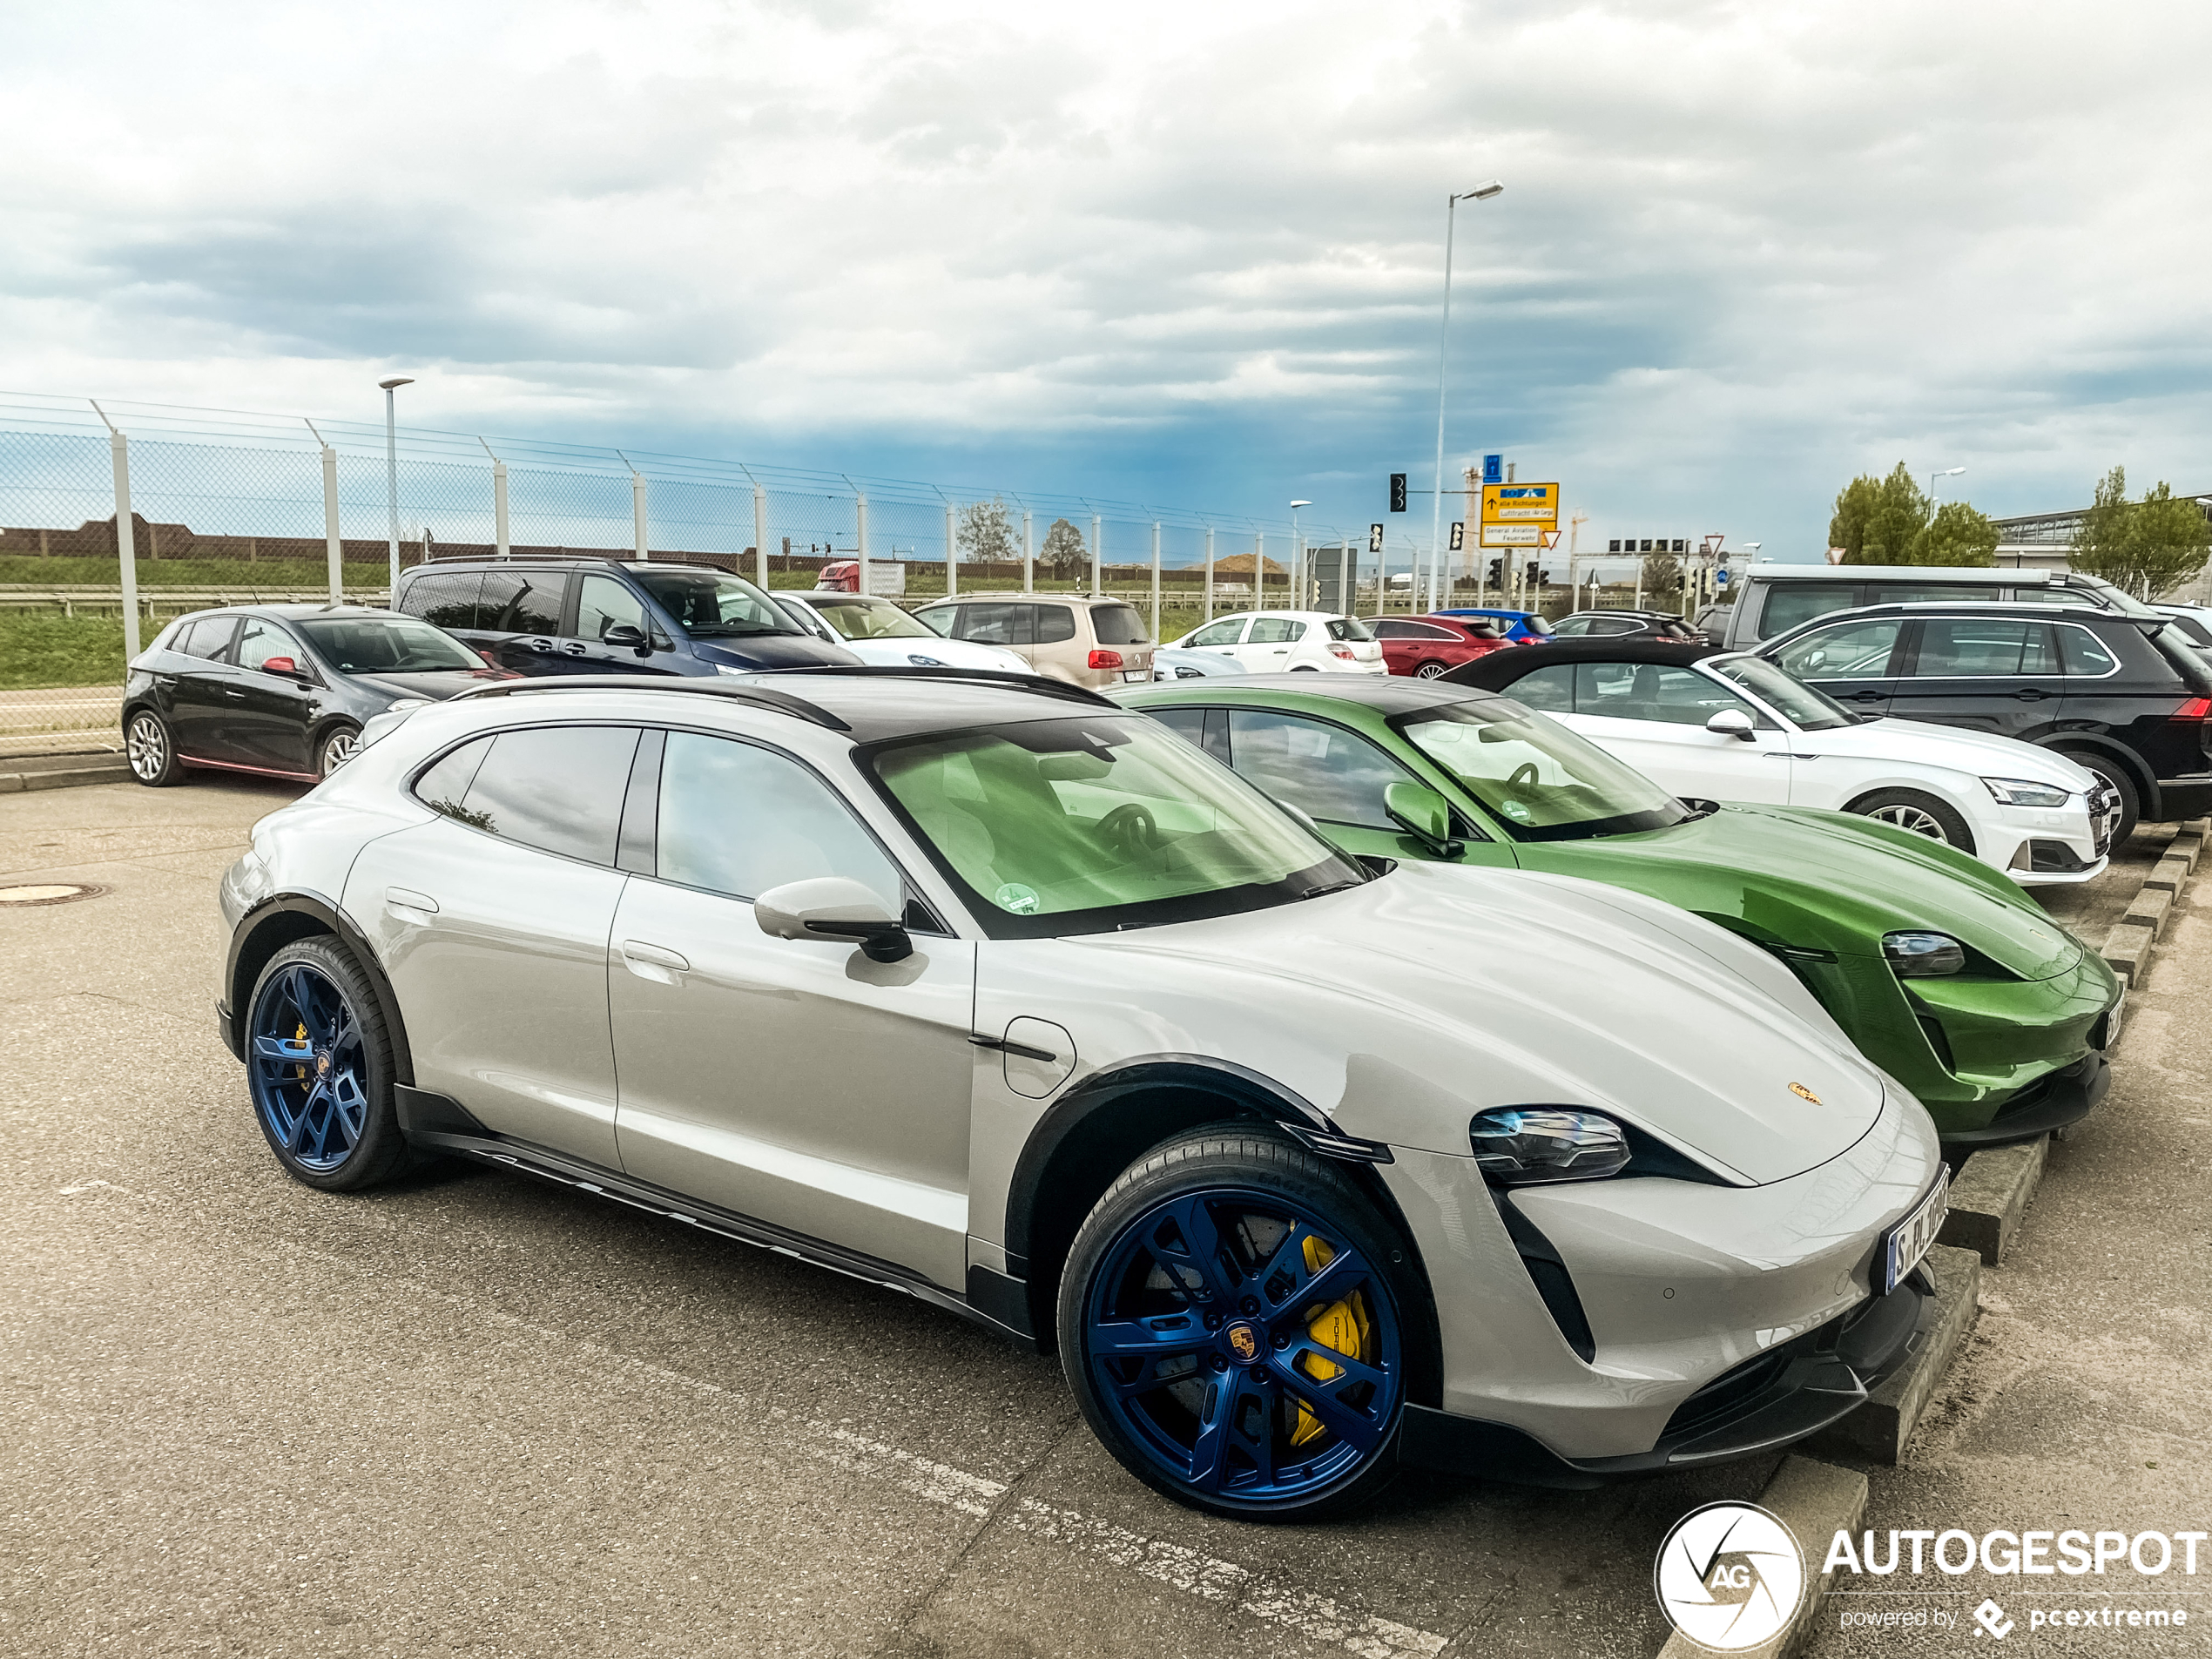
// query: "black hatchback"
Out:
[280,690]
[610,617]
[2129,697]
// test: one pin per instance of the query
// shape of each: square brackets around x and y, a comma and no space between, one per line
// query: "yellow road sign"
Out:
[1519,505]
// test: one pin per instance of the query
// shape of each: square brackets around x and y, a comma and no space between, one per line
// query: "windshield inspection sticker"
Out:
[1017,899]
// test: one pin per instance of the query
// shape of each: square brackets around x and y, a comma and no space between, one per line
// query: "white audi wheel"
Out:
[1917,819]
[1908,809]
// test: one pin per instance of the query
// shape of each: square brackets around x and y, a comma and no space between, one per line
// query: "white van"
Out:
[1775,598]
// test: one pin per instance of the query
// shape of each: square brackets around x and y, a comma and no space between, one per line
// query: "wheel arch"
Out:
[277,921]
[2119,754]
[1088,1137]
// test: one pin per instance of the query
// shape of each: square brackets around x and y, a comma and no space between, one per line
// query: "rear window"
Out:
[1118,625]
[1348,628]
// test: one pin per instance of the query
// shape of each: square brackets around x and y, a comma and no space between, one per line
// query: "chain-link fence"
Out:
[116,516]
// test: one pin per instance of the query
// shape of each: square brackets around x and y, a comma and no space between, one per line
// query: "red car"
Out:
[1423,647]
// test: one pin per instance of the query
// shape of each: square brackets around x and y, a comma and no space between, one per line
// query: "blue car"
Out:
[1522,627]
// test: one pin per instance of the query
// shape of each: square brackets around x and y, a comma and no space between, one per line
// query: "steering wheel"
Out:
[1525,776]
[1130,827]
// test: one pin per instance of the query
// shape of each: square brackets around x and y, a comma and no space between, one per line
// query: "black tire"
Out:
[334,746]
[1429,671]
[2122,783]
[1908,809]
[379,1151]
[150,748]
[1249,1163]
[1304,668]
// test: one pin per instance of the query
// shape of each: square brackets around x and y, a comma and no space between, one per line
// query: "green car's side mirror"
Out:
[1423,815]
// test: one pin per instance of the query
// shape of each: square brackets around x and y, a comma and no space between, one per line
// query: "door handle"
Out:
[409,899]
[1864,697]
[655,962]
[2031,695]
[572,647]
[538,644]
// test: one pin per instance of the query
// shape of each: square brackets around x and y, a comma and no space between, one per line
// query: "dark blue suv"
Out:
[607,617]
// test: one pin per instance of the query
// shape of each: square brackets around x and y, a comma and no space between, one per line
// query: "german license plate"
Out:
[1135,674]
[1905,1244]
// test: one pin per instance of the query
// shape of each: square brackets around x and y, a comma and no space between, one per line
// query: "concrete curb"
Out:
[1815,1500]
[1990,1195]
[1879,1430]
[73,770]
[2130,943]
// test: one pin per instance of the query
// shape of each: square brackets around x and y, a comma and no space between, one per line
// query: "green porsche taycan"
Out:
[1943,971]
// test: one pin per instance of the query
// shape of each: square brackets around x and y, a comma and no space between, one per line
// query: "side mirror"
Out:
[280,665]
[1732,723]
[629,637]
[833,907]
[1423,815]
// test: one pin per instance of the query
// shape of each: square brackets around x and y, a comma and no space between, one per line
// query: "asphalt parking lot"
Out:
[475,1415]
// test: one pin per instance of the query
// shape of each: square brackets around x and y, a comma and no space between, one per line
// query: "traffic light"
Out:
[1497,573]
[1374,538]
[1535,577]
[1397,492]
[1459,535]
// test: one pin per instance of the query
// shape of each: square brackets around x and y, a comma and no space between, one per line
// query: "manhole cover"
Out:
[48,892]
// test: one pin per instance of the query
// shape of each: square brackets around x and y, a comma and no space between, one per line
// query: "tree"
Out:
[1064,553]
[1877,519]
[1662,573]
[2146,547]
[1956,535]
[986,533]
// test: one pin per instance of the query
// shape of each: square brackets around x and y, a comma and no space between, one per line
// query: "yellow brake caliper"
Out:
[1343,1327]
[300,1035]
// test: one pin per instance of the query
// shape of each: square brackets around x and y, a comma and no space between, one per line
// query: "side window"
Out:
[1276,630]
[942,620]
[557,788]
[445,786]
[1850,651]
[1612,625]
[739,819]
[1569,627]
[1903,593]
[518,603]
[602,603]
[444,601]
[206,638]
[1330,774]
[1549,689]
[263,640]
[1054,623]
[997,624]
[2061,596]
[1650,692]
[1980,647]
[1219,633]
[1789,603]
[1189,724]
[2083,652]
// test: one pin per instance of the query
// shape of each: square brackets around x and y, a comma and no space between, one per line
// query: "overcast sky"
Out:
[1157,252]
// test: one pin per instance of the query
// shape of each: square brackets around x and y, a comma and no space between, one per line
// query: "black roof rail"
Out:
[758,696]
[1037,682]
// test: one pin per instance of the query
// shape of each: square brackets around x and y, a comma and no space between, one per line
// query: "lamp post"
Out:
[1935,481]
[392,478]
[1298,554]
[1481,192]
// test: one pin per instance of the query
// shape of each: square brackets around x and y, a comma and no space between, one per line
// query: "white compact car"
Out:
[882,633]
[1277,642]
[1011,999]
[1735,727]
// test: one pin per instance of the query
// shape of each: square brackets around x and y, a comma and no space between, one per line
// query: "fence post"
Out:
[861,537]
[1097,554]
[1156,581]
[637,512]
[1209,573]
[952,553]
[1028,552]
[333,543]
[760,535]
[1259,569]
[499,509]
[126,551]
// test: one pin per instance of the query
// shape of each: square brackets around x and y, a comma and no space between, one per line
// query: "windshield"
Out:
[1546,783]
[1098,822]
[1810,709]
[709,604]
[861,618]
[386,645]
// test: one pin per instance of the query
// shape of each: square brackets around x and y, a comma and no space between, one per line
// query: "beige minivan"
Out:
[1084,638]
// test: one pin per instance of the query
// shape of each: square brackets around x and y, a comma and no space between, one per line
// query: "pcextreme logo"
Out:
[1730,1576]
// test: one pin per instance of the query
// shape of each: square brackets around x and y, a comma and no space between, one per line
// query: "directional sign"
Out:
[1515,507]
[1374,538]
[1513,536]
[1494,469]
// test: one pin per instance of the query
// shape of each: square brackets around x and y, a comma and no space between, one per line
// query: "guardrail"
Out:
[67,597]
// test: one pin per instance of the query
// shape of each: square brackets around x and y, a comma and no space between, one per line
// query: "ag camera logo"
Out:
[1730,1577]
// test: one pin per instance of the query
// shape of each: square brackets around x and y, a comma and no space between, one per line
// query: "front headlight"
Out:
[2018,792]
[724,668]
[1918,955]
[1517,1146]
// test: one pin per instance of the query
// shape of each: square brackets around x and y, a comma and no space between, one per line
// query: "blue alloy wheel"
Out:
[1244,1346]
[309,1068]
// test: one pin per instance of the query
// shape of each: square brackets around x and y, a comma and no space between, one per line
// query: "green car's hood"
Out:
[1793,876]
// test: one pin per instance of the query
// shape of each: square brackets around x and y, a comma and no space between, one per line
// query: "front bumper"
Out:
[2051,1101]
[1763,1404]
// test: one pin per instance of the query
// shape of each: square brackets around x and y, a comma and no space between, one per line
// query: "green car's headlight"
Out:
[1918,955]
[2018,792]
[1517,1145]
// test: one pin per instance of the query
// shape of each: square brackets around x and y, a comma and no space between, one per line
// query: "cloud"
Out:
[1158,251]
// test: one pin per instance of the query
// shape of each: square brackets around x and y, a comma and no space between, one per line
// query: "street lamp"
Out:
[392,478]
[1298,550]
[1481,192]
[1935,481]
